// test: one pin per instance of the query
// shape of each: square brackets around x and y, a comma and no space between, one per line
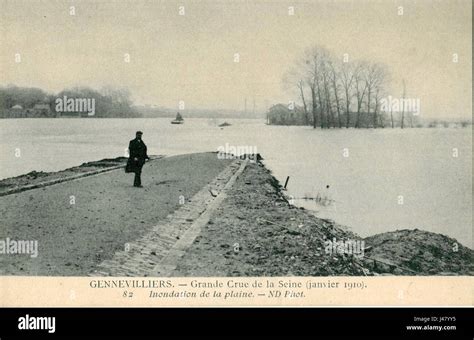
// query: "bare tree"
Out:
[315,60]
[295,78]
[312,81]
[347,80]
[320,101]
[311,68]
[300,86]
[391,116]
[403,104]
[375,77]
[335,81]
[361,88]
[327,94]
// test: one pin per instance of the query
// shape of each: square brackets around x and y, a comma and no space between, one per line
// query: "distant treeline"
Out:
[341,92]
[34,102]
[281,114]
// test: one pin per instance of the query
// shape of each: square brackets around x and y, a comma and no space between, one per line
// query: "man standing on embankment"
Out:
[138,156]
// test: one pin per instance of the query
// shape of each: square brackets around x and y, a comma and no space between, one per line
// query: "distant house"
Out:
[38,110]
[280,114]
[17,111]
[42,110]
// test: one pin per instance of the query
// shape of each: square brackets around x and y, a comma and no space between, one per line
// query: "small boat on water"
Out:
[178,120]
[225,124]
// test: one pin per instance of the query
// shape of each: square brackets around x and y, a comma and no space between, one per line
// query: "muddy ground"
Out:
[36,177]
[256,232]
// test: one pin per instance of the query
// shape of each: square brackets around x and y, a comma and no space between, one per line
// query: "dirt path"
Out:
[106,214]
[255,232]
[160,250]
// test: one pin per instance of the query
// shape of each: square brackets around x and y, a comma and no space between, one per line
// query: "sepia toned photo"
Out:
[208,140]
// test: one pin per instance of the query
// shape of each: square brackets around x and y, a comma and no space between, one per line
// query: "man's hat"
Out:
[139,133]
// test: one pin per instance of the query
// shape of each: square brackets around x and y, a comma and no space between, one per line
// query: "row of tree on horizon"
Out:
[109,101]
[332,94]
[341,92]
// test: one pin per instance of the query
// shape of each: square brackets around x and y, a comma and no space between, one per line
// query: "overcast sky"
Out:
[191,57]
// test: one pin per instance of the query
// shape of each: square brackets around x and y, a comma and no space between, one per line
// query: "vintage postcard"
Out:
[236,153]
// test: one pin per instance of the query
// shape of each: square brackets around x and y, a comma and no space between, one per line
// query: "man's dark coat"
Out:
[137,149]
